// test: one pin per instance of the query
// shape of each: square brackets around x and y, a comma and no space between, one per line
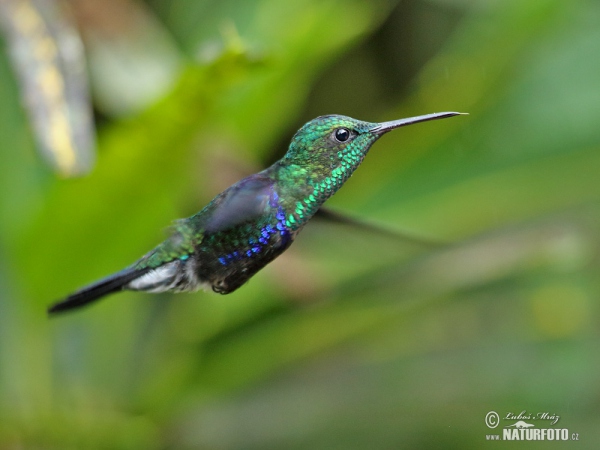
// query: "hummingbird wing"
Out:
[242,202]
[336,217]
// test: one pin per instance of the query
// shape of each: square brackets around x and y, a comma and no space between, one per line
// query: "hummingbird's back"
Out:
[226,243]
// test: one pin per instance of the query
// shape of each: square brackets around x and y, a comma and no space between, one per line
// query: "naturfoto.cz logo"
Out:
[520,427]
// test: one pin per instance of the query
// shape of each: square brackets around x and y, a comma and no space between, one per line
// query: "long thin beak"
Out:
[384,127]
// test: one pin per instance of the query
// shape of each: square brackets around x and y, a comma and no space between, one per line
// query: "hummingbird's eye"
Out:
[342,134]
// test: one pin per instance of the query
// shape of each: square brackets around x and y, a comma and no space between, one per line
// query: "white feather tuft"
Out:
[174,276]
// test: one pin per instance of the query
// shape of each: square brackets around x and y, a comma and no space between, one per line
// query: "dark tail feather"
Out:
[97,290]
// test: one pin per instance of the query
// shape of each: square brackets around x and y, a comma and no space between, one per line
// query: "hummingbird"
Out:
[252,222]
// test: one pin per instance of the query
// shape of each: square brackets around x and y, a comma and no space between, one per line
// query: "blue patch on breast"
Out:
[257,244]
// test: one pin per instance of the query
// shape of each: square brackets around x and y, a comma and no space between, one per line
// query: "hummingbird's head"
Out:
[332,141]
[323,141]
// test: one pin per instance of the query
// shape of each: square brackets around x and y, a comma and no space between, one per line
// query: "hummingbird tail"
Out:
[97,290]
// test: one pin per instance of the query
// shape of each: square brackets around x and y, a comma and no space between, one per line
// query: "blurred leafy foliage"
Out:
[349,340]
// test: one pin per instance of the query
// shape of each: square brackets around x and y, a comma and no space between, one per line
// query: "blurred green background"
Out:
[350,340]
